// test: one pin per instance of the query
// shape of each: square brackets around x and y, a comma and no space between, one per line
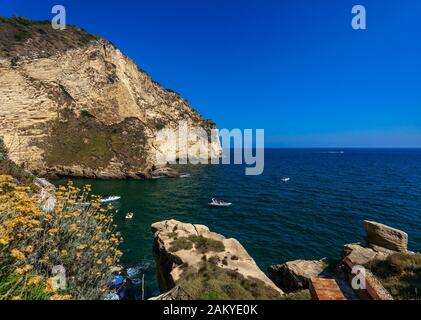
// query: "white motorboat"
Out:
[286,179]
[110,199]
[129,215]
[219,203]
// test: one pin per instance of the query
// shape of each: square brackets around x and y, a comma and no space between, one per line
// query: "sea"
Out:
[322,206]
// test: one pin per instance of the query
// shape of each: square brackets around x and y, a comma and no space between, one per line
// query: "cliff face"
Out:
[206,265]
[72,104]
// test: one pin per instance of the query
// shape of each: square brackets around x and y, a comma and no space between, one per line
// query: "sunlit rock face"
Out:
[72,104]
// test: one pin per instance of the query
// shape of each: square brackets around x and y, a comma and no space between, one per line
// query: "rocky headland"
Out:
[202,264]
[194,263]
[72,104]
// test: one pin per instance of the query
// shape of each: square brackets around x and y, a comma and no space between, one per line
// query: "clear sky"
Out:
[295,68]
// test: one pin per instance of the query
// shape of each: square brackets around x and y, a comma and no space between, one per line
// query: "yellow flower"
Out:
[17,298]
[4,241]
[17,254]
[49,288]
[29,249]
[99,261]
[35,280]
[64,253]
[24,270]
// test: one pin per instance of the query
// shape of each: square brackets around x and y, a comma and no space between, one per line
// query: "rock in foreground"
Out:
[207,265]
[295,275]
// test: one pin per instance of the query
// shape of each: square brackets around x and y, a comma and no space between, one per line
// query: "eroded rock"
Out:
[385,236]
[295,275]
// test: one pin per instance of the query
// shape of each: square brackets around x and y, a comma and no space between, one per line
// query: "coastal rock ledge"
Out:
[206,265]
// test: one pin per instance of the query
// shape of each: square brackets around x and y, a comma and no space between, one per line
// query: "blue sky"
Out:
[295,68]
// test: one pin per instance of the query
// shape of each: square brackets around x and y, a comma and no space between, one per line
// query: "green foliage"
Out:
[400,274]
[23,22]
[205,244]
[22,35]
[3,151]
[181,244]
[214,283]
[201,244]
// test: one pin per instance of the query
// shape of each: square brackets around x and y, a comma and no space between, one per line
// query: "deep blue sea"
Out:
[320,209]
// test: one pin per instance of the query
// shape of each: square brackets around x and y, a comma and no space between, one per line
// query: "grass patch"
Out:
[201,244]
[297,295]
[204,245]
[22,35]
[181,244]
[215,283]
[400,274]
[78,141]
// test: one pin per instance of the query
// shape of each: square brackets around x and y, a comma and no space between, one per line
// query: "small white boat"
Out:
[286,179]
[129,215]
[219,203]
[110,199]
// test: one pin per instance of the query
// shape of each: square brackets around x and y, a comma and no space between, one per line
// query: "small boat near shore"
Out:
[106,199]
[286,179]
[110,199]
[219,203]
[129,215]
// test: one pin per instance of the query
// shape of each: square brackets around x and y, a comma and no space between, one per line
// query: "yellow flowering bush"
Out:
[77,237]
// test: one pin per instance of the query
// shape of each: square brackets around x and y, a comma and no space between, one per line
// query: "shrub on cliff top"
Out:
[205,244]
[400,274]
[214,283]
[32,242]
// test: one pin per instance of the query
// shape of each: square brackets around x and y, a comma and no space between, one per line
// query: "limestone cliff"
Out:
[72,104]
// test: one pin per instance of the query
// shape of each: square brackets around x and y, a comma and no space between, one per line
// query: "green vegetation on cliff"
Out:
[400,274]
[211,282]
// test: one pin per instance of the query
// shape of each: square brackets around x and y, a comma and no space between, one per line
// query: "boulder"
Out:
[295,275]
[363,255]
[385,236]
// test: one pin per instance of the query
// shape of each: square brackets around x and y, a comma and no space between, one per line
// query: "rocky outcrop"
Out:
[361,254]
[72,104]
[385,236]
[182,249]
[295,275]
[47,194]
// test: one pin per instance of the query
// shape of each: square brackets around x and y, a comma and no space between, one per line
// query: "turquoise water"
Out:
[312,216]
